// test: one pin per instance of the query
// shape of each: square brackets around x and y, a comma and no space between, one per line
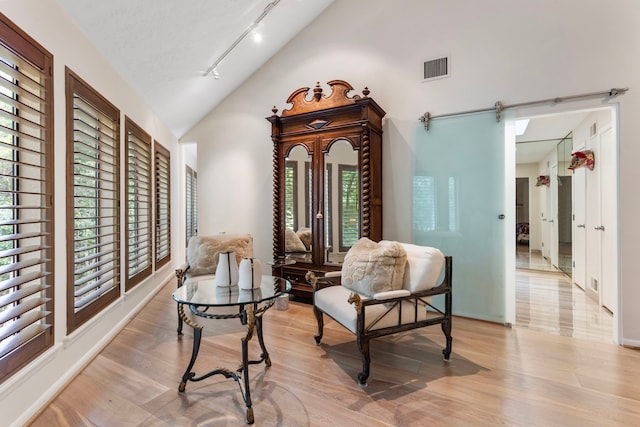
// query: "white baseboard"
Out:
[631,343]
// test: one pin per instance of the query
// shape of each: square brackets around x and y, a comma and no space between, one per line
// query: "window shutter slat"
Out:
[23,322]
[85,301]
[15,267]
[23,292]
[20,280]
[21,309]
[15,133]
[27,334]
[96,133]
[25,123]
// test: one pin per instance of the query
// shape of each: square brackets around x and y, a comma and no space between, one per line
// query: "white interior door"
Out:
[609,288]
[594,223]
[579,252]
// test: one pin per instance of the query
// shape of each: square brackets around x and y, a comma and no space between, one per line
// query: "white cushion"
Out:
[424,264]
[391,294]
[371,267]
[334,301]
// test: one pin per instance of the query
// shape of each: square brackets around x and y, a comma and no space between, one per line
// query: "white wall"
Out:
[508,50]
[25,392]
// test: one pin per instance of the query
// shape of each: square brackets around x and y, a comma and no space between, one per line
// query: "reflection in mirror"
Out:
[297,210]
[565,224]
[342,200]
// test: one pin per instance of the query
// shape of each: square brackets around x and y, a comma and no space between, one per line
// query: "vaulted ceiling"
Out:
[162,48]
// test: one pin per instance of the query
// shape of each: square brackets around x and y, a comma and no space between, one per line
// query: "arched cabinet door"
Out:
[327,180]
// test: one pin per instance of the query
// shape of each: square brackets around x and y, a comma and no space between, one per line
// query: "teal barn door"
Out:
[459,207]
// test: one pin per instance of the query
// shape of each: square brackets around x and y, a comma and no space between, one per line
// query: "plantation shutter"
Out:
[189,210]
[291,190]
[192,203]
[163,207]
[26,200]
[139,254]
[94,215]
[349,206]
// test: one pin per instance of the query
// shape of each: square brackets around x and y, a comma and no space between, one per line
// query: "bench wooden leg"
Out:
[320,320]
[446,328]
[363,345]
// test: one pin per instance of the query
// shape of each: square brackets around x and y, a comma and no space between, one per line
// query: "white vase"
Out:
[227,270]
[250,273]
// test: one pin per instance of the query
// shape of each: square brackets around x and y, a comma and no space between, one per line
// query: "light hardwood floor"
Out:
[548,301]
[497,376]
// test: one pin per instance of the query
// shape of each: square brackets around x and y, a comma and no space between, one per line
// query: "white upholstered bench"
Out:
[372,314]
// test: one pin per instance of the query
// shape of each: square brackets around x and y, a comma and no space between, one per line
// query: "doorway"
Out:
[557,242]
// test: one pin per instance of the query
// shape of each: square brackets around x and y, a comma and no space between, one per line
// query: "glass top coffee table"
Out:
[203,299]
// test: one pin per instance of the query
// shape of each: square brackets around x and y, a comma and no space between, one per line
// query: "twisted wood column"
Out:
[365,181]
[276,200]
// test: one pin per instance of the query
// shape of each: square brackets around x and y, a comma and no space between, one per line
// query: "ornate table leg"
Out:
[265,354]
[250,319]
[197,336]
[251,316]
[180,277]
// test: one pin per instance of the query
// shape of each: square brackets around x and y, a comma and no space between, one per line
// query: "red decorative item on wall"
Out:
[584,158]
[543,180]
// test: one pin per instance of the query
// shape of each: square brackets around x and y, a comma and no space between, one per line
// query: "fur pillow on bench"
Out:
[370,268]
[203,251]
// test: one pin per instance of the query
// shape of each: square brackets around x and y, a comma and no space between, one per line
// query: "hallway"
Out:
[547,301]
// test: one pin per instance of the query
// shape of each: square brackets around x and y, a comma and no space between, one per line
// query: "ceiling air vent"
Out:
[436,69]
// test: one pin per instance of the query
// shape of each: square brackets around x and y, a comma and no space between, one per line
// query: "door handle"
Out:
[581,226]
[601,228]
[550,220]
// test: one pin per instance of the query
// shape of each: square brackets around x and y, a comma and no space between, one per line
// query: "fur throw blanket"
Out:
[203,251]
[370,267]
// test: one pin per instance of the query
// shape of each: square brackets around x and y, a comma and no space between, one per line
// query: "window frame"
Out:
[35,288]
[138,149]
[108,164]
[162,181]
[191,203]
